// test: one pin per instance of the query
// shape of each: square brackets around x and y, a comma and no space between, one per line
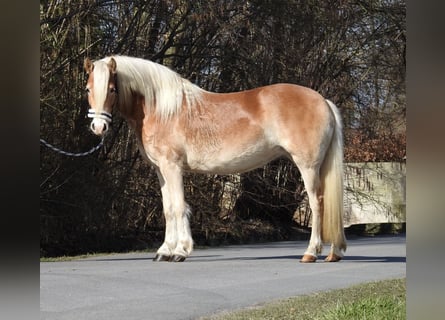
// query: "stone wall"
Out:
[375,192]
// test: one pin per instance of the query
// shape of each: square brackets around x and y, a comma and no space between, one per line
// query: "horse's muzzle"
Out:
[99,127]
[101,122]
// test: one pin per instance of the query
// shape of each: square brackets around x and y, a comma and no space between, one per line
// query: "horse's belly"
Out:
[232,161]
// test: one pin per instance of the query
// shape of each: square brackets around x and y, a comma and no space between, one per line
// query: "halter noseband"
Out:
[100,115]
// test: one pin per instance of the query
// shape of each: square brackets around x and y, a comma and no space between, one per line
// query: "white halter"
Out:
[101,115]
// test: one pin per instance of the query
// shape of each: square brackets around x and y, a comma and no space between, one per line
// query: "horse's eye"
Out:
[87,90]
[113,90]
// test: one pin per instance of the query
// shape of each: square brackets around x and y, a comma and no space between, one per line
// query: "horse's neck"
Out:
[133,110]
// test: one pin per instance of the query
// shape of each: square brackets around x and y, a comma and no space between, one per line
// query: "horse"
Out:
[181,127]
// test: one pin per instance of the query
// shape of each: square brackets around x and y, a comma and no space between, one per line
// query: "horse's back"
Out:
[273,102]
[291,100]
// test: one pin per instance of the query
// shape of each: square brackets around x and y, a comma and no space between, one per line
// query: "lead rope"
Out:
[91,114]
[71,154]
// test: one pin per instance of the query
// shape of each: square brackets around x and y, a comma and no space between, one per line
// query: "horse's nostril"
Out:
[105,127]
[92,126]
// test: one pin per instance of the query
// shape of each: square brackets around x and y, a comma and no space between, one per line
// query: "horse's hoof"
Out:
[161,257]
[177,258]
[308,258]
[332,257]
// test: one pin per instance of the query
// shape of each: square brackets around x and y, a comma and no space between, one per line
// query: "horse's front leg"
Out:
[165,252]
[178,243]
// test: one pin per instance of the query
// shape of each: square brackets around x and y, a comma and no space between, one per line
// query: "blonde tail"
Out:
[332,181]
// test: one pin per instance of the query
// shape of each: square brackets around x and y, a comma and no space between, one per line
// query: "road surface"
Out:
[132,286]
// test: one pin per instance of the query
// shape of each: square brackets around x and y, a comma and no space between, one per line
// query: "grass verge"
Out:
[371,301]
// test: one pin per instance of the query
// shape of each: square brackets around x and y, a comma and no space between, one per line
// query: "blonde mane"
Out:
[164,90]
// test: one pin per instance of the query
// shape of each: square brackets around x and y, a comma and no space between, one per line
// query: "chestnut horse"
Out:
[181,127]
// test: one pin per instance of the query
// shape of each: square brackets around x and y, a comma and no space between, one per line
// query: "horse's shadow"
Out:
[215,258]
[219,258]
[375,259]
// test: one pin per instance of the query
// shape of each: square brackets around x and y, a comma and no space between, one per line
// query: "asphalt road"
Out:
[132,286]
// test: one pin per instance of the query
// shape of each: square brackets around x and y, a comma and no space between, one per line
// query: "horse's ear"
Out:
[112,65]
[88,65]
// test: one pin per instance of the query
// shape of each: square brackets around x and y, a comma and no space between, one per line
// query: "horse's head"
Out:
[102,93]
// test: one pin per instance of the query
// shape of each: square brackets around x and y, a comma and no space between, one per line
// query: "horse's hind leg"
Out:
[313,188]
[178,243]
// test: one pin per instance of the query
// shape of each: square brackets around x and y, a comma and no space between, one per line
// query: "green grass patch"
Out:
[371,308]
[370,301]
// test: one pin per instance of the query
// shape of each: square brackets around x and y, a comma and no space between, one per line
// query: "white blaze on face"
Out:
[101,118]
